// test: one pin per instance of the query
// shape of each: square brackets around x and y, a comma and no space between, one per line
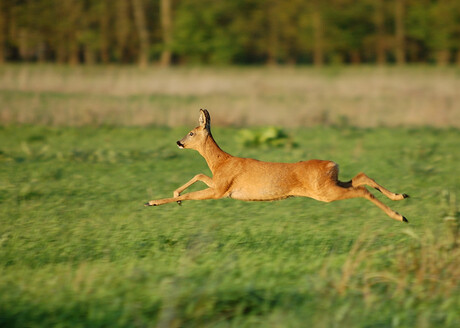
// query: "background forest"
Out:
[230,32]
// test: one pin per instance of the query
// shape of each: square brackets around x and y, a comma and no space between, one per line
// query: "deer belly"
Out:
[260,193]
[264,181]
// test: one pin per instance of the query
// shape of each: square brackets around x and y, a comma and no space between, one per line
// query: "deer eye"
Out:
[191,134]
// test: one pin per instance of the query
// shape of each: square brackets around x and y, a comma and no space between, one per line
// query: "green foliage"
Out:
[266,137]
[204,31]
[227,32]
[434,24]
[77,248]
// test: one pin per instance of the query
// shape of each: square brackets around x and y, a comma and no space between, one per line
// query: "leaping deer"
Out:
[252,180]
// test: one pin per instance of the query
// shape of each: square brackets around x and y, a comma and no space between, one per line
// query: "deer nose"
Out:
[180,144]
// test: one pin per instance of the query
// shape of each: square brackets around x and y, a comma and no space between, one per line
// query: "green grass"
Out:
[77,248]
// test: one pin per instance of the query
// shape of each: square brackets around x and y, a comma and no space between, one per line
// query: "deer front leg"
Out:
[199,177]
[209,193]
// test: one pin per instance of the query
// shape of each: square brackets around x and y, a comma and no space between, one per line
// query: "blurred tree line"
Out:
[230,31]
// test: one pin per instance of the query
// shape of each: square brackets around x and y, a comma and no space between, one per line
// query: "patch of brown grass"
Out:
[287,96]
[427,267]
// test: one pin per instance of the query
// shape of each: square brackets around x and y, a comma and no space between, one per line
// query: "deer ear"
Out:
[205,119]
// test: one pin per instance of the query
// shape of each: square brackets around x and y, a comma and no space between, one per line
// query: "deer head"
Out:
[196,138]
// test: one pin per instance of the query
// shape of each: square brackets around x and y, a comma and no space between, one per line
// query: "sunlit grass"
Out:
[77,248]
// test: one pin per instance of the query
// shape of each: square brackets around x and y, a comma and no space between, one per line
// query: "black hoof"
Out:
[146,204]
[405,220]
[406,196]
[179,202]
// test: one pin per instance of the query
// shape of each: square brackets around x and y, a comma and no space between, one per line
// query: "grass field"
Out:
[78,249]
[82,149]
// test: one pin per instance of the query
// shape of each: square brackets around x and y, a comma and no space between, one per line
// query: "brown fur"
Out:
[252,180]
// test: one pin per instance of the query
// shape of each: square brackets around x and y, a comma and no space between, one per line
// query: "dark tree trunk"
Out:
[166,29]
[400,50]
[318,52]
[142,32]
[380,30]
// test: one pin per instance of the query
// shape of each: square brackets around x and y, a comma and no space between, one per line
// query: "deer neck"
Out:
[212,153]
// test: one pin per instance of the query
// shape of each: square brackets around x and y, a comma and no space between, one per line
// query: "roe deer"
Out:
[252,180]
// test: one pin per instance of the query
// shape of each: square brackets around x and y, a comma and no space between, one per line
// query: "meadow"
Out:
[363,96]
[79,249]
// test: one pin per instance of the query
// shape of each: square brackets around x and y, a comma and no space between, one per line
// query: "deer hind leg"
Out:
[341,192]
[362,179]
